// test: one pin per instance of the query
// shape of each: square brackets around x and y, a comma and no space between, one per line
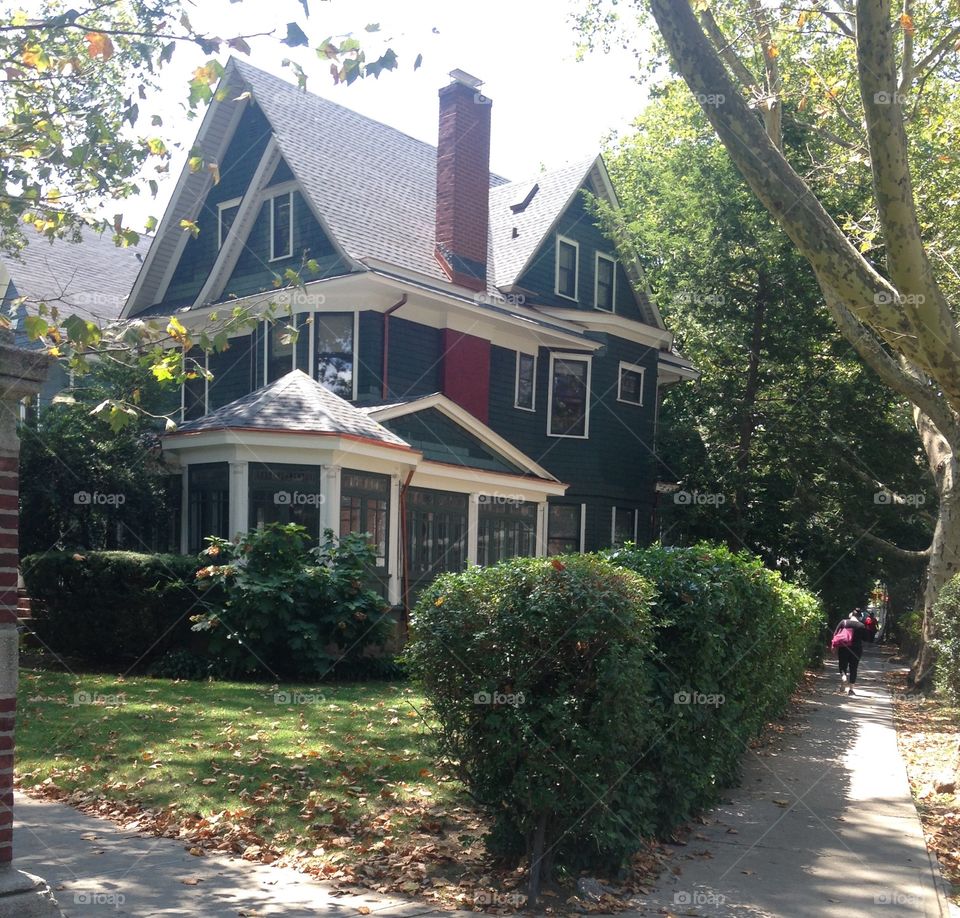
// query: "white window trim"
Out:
[516,384]
[221,207]
[583,358]
[576,273]
[583,527]
[354,354]
[633,368]
[596,282]
[271,199]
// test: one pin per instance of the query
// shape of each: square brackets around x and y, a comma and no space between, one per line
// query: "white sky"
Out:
[548,108]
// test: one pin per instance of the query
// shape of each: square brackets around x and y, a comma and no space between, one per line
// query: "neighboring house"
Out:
[89,276]
[476,370]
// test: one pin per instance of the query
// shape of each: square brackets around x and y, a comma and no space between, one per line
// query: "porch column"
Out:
[542,521]
[239,497]
[473,529]
[330,517]
[394,535]
[22,373]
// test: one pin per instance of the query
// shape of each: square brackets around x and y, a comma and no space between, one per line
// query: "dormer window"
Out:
[281,226]
[605,285]
[568,256]
[226,214]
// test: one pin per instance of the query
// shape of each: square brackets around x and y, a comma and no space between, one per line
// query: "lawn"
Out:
[337,778]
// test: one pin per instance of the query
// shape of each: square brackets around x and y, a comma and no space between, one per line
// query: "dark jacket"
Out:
[859,632]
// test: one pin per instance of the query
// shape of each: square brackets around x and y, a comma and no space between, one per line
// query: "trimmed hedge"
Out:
[946,616]
[732,642]
[111,606]
[539,672]
[633,716]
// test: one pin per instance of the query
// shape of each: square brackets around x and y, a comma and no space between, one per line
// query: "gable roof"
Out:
[294,402]
[372,186]
[90,277]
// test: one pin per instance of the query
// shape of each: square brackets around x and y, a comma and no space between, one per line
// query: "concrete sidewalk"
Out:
[826,827]
[95,868]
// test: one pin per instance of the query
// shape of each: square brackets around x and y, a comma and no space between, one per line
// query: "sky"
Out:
[548,108]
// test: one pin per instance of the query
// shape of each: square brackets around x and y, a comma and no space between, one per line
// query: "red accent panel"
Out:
[466,372]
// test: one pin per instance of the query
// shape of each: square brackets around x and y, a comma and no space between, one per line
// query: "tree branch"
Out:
[904,554]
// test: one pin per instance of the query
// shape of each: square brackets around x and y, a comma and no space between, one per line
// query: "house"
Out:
[88,276]
[474,369]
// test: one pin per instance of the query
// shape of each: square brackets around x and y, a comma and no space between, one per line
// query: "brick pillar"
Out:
[22,372]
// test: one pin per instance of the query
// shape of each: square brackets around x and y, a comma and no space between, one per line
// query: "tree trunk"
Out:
[945,547]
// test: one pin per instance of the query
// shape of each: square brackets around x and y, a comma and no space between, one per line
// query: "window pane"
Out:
[281,226]
[567,274]
[631,386]
[364,507]
[624,525]
[208,511]
[526,368]
[281,493]
[506,529]
[563,529]
[569,410]
[227,216]
[605,284]
[280,358]
[334,352]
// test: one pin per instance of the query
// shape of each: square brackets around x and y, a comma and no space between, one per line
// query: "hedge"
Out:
[633,715]
[946,616]
[732,642]
[111,606]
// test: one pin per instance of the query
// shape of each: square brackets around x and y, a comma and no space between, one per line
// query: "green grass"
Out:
[340,760]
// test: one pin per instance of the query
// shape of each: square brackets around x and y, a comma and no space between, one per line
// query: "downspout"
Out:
[405,556]
[385,386]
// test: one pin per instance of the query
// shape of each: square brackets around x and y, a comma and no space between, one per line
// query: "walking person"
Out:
[848,642]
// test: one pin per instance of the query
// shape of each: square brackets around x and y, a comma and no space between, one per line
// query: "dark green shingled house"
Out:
[476,371]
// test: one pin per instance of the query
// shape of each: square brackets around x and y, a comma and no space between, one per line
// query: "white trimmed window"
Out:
[226,214]
[605,283]
[525,389]
[623,526]
[568,408]
[281,225]
[568,261]
[630,384]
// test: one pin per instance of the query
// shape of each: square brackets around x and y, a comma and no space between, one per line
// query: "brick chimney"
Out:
[463,181]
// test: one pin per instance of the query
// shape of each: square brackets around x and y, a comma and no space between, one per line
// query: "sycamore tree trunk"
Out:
[944,560]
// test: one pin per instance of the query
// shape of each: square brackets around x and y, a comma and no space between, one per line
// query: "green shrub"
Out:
[539,674]
[733,640]
[110,607]
[277,604]
[906,631]
[184,664]
[946,617]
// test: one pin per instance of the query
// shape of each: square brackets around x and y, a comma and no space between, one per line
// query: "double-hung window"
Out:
[605,283]
[630,384]
[568,257]
[281,225]
[526,385]
[226,214]
[569,396]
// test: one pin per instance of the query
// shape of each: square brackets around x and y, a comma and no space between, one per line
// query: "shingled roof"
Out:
[372,185]
[294,402]
[90,277]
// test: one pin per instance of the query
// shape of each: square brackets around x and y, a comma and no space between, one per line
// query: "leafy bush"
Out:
[111,607]
[280,605]
[733,640]
[184,664]
[539,674]
[567,702]
[946,617]
[906,631]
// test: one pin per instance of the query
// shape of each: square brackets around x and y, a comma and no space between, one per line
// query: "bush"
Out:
[906,631]
[110,607]
[732,642]
[946,618]
[539,674]
[279,605]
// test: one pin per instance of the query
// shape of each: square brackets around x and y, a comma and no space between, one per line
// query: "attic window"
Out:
[522,204]
[281,226]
